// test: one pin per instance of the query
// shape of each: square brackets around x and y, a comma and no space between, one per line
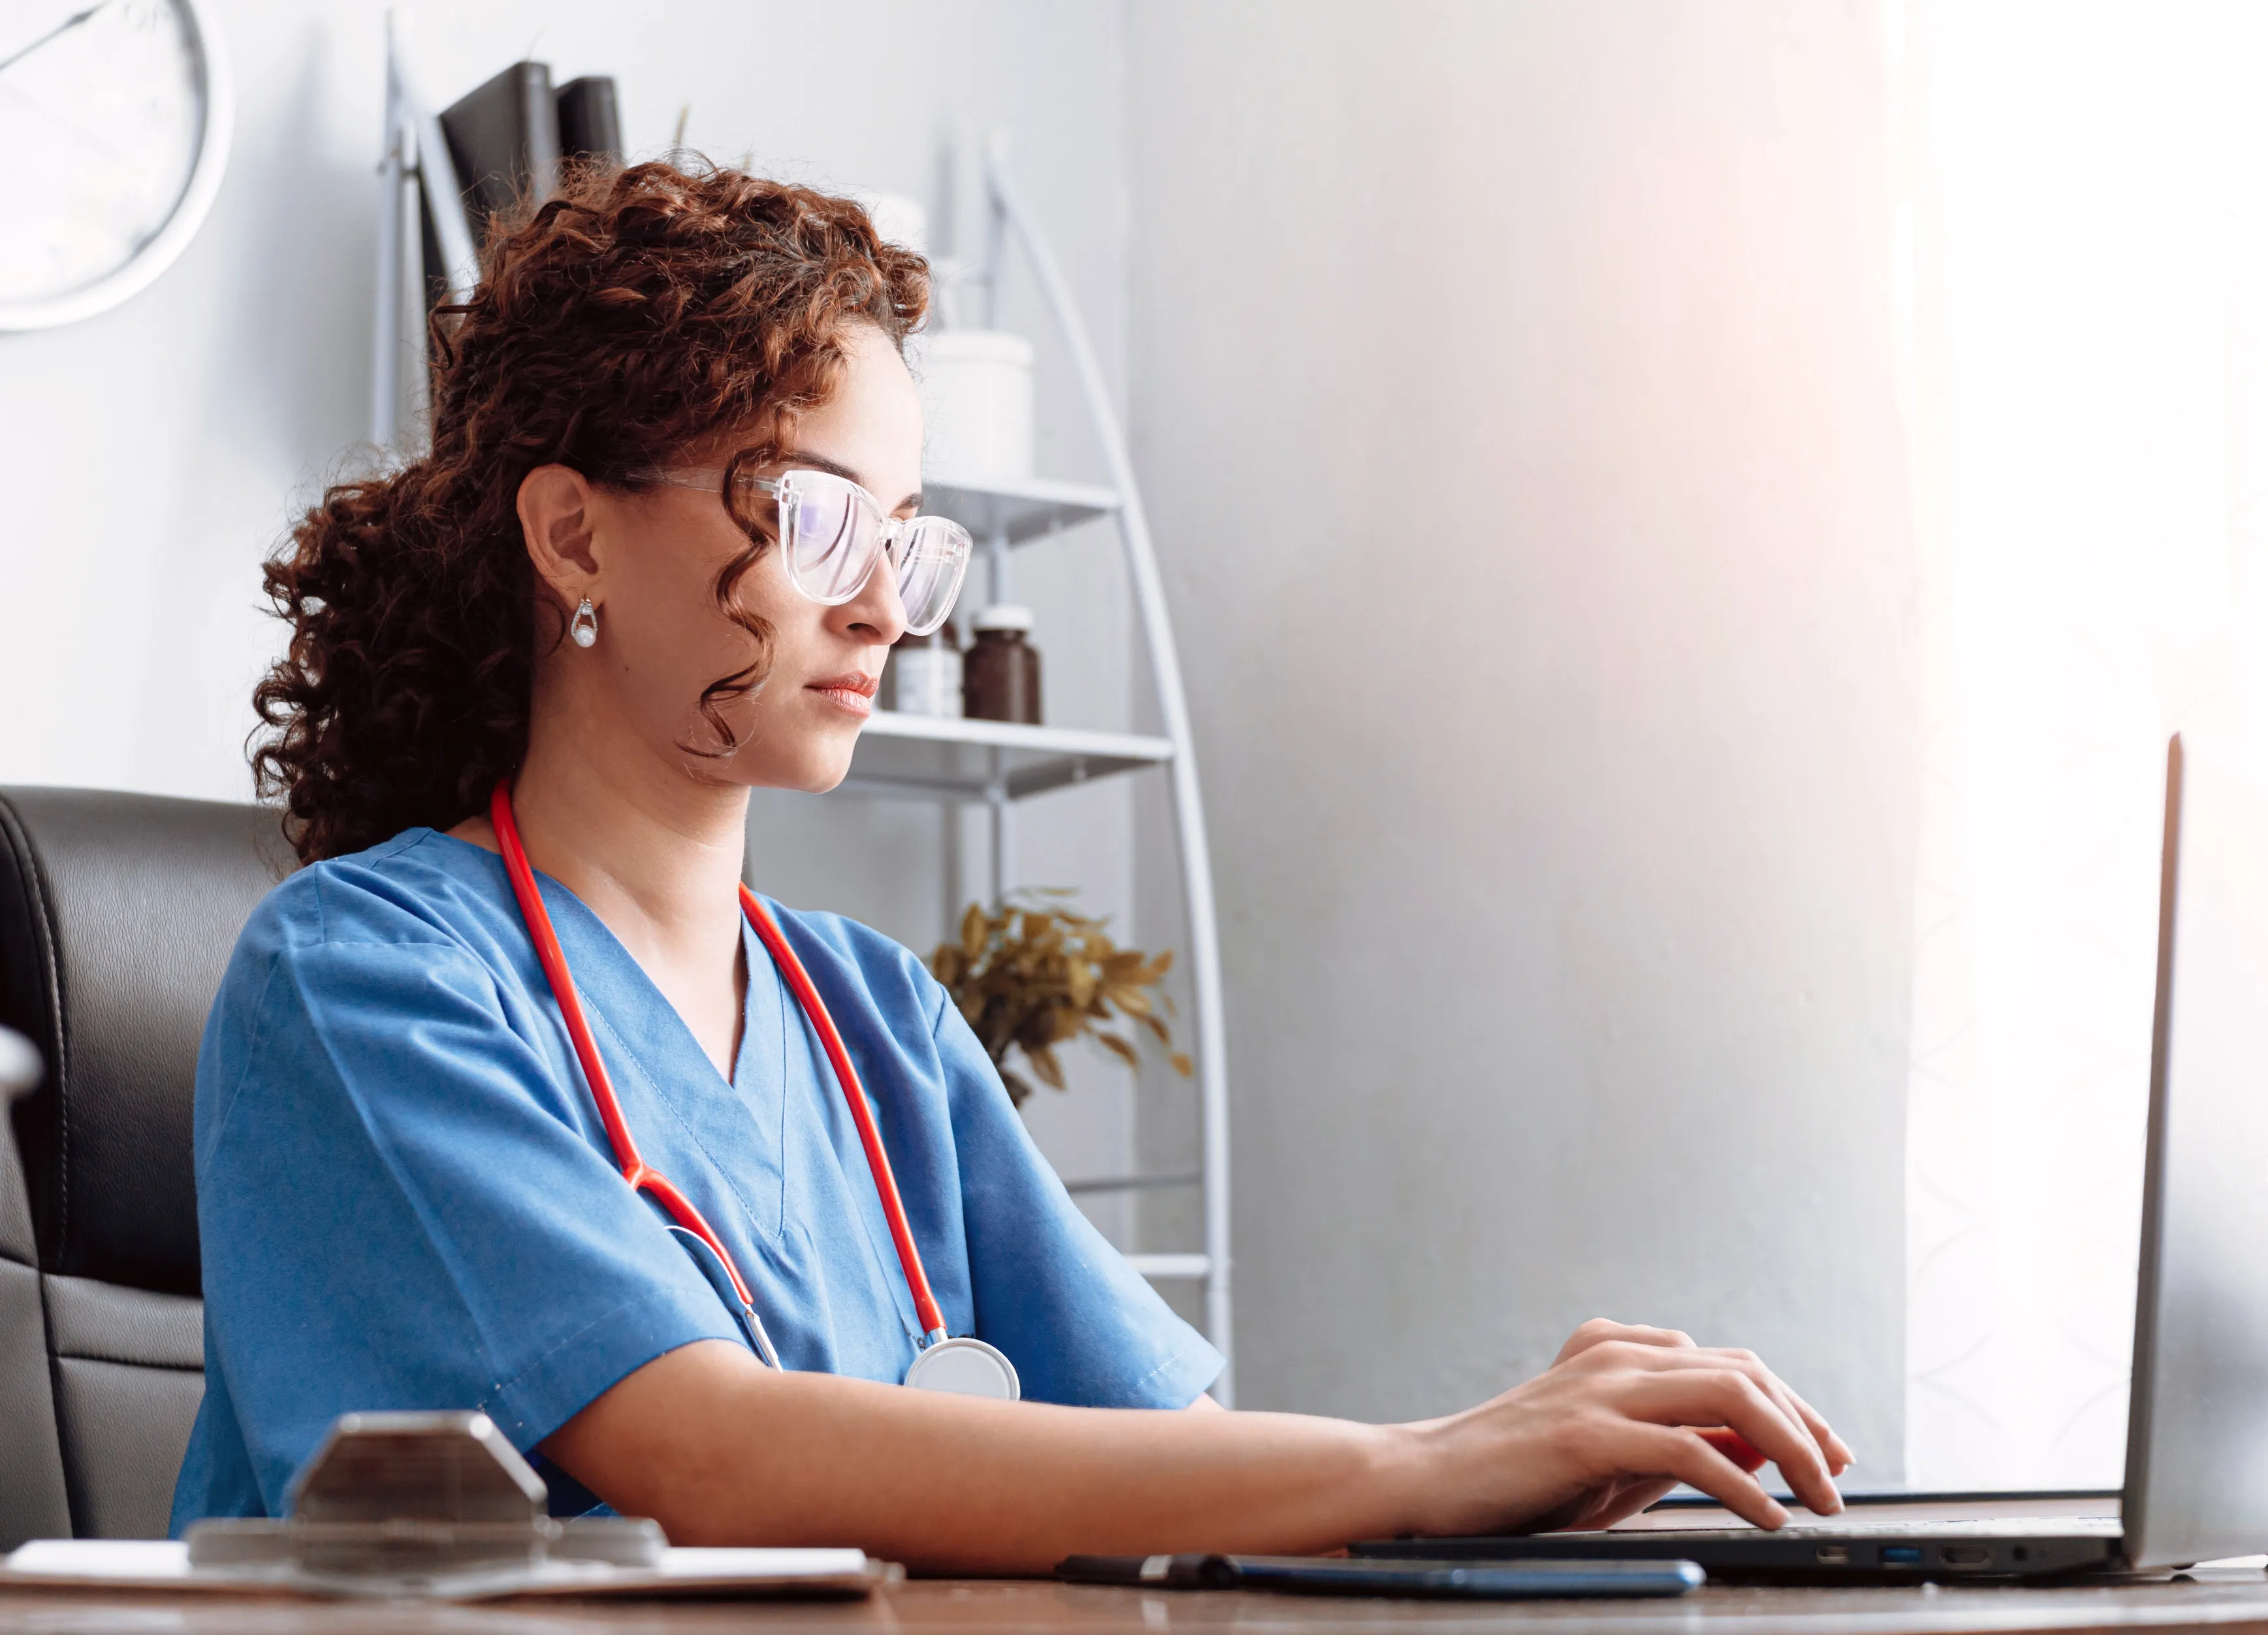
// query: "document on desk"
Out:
[161,1565]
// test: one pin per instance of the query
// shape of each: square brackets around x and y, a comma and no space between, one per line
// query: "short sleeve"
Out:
[1084,1328]
[386,1147]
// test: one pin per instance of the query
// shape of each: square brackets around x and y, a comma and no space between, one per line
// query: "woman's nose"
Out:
[876,612]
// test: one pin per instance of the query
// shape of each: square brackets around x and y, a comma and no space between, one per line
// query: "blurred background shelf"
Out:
[955,758]
[1017,510]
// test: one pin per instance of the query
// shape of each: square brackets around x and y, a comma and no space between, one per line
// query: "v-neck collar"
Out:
[756,959]
[769,1009]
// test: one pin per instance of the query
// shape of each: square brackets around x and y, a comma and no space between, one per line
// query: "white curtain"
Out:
[2085,199]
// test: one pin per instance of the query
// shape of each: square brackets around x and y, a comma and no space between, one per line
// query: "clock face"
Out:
[108,118]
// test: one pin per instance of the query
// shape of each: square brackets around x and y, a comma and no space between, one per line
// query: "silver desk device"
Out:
[417,1503]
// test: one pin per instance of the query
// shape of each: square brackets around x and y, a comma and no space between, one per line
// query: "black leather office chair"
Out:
[117,913]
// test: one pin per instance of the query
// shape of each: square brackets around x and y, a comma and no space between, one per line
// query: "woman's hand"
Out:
[1624,1415]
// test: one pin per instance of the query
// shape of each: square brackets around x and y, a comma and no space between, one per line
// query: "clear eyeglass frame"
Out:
[833,532]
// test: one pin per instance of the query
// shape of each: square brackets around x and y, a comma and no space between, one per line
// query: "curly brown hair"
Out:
[634,315]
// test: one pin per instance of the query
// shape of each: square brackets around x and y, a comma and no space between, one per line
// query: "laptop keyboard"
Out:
[1857,1526]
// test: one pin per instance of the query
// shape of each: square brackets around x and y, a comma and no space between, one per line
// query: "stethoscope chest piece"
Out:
[966,1368]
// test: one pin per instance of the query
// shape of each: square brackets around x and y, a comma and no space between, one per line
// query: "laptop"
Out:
[2197,1441]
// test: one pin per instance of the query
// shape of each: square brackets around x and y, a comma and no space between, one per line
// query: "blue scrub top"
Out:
[407,1200]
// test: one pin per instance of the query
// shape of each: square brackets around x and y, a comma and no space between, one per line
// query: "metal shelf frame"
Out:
[1006,514]
[416,173]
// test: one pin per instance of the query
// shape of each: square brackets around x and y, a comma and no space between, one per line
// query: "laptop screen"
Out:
[2197,1451]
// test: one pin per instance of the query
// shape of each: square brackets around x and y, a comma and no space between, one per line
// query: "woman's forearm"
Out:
[722,1451]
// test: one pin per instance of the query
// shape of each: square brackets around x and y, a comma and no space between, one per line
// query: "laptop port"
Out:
[1835,1555]
[1965,1555]
[1901,1555]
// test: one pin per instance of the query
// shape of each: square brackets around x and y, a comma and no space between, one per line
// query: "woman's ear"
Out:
[554,518]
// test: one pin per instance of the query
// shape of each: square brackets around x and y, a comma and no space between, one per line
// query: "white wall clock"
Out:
[114,120]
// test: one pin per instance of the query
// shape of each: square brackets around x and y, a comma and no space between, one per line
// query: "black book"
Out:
[590,121]
[504,139]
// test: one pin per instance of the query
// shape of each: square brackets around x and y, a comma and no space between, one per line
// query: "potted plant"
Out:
[1034,974]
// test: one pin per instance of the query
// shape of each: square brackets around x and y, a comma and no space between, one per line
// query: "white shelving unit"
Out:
[962,760]
[992,764]
[1002,765]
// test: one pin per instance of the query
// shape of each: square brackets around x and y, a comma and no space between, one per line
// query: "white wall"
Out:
[152,457]
[1513,385]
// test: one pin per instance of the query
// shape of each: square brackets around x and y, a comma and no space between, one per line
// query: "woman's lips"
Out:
[853,694]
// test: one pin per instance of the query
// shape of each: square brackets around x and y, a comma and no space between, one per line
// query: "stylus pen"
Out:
[1197,1571]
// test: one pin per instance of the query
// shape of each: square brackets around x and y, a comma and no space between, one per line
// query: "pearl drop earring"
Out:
[584,627]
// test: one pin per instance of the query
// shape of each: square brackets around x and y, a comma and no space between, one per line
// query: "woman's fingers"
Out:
[1833,1455]
[1600,1331]
[1676,1385]
[1736,1447]
[1611,1504]
[1630,1409]
[1729,1396]
[1682,1454]
[1830,1446]
[1839,1456]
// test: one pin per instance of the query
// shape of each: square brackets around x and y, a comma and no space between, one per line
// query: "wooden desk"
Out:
[2226,1602]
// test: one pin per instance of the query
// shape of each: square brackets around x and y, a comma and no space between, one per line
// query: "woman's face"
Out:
[662,639]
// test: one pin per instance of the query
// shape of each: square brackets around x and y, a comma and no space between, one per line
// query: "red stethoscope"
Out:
[963,1364]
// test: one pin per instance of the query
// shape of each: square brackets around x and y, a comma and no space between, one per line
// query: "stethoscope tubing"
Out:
[642,1177]
[846,1075]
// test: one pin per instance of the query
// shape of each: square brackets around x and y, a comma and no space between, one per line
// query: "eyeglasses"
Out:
[832,532]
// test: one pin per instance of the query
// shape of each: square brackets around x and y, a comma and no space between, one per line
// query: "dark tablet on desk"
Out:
[1335,1575]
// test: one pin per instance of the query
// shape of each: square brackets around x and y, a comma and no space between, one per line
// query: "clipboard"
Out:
[136,1565]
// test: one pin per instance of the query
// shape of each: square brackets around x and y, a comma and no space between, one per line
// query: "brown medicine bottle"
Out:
[1001,675]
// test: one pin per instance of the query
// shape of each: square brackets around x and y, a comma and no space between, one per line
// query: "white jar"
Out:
[898,220]
[927,677]
[977,404]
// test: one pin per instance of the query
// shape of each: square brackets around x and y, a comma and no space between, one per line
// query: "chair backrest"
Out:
[117,913]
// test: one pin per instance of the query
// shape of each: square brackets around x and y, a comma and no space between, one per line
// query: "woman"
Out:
[657,555]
